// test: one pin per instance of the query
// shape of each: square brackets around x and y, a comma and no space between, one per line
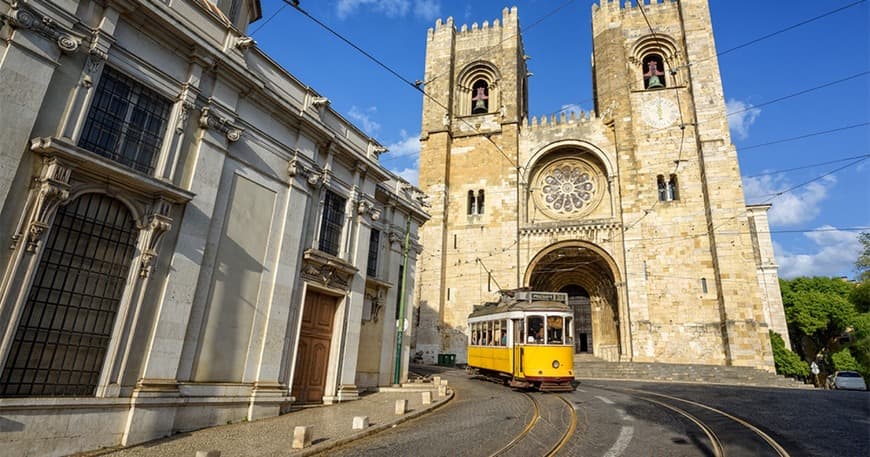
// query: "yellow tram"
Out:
[526,339]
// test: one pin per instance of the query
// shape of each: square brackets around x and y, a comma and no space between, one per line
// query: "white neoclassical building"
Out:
[194,236]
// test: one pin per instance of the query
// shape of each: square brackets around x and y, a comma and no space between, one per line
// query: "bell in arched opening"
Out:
[654,77]
[480,99]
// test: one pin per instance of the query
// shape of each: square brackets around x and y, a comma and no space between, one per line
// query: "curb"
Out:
[325,446]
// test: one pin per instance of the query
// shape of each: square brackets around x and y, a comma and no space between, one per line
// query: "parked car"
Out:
[850,380]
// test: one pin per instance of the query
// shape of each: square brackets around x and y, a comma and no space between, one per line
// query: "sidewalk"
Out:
[330,425]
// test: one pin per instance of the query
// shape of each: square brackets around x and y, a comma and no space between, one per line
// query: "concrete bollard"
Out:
[427,398]
[436,380]
[401,407]
[301,437]
[208,453]
[442,391]
[360,422]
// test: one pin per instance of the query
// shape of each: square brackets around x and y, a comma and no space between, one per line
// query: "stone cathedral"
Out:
[636,209]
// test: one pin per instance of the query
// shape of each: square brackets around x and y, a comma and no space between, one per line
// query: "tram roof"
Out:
[524,301]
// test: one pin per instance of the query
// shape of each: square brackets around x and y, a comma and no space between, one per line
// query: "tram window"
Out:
[519,334]
[475,337]
[489,333]
[504,331]
[496,338]
[569,330]
[536,329]
[555,330]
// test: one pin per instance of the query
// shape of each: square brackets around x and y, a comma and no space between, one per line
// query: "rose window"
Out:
[567,187]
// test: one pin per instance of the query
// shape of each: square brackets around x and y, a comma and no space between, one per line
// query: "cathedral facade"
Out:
[635,209]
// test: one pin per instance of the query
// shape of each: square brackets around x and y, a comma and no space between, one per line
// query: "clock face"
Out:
[660,112]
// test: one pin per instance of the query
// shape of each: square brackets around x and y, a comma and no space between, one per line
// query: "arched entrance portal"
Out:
[586,274]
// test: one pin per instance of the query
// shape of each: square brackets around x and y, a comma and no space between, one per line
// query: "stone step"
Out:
[587,366]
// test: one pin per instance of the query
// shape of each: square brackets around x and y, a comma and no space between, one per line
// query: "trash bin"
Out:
[447,359]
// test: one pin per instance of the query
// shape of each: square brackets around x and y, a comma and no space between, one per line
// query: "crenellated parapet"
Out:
[509,20]
[610,11]
[563,119]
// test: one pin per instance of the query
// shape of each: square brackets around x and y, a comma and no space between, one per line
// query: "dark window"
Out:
[126,122]
[480,97]
[374,248]
[333,221]
[704,285]
[472,204]
[60,344]
[480,201]
[653,72]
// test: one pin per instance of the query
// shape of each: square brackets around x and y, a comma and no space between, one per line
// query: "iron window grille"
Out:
[374,248]
[60,344]
[333,221]
[126,122]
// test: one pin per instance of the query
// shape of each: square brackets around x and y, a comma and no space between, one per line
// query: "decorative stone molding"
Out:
[25,16]
[320,102]
[221,124]
[366,207]
[245,43]
[327,270]
[159,223]
[50,189]
[315,178]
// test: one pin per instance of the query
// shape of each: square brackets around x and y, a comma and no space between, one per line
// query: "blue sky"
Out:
[806,222]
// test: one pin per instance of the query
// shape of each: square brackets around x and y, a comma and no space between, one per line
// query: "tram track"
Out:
[728,435]
[556,427]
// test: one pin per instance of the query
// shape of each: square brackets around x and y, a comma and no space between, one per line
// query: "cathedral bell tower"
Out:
[476,81]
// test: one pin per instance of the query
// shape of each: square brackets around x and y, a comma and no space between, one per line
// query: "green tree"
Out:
[787,363]
[863,262]
[819,313]
[860,297]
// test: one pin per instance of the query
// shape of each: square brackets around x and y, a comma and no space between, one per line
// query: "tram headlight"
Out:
[555,364]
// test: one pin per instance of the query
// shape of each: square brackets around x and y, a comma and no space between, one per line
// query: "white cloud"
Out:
[427,10]
[412,175]
[794,207]
[572,107]
[744,115]
[363,117]
[423,9]
[408,146]
[835,255]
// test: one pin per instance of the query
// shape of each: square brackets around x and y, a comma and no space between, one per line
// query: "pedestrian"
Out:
[814,369]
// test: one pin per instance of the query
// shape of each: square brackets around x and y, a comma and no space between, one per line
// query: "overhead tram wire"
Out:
[533,25]
[756,40]
[416,85]
[808,135]
[269,19]
[804,167]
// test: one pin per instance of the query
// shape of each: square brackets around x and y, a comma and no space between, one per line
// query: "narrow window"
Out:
[489,282]
[667,189]
[704,285]
[455,242]
[662,188]
[374,249]
[59,347]
[448,293]
[673,193]
[333,221]
[653,72]
[126,122]
[480,97]
[480,196]
[472,203]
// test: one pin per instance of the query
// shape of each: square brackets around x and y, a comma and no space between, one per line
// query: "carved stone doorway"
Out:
[587,274]
[312,356]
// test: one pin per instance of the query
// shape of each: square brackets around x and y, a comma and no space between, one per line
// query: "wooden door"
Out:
[312,357]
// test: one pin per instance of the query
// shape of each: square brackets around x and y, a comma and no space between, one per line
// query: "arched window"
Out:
[667,188]
[60,344]
[472,203]
[654,72]
[480,201]
[480,97]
